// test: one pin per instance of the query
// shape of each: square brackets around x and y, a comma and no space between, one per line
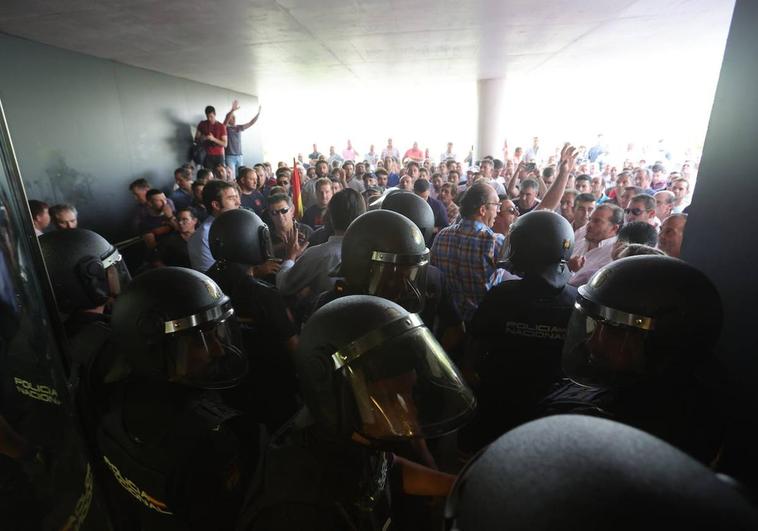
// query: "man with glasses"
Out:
[505,217]
[594,251]
[283,225]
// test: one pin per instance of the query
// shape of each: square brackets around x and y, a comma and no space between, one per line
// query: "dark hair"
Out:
[203,174]
[585,198]
[187,209]
[210,109]
[183,172]
[498,164]
[638,249]
[548,171]
[62,207]
[197,184]
[582,177]
[281,171]
[474,198]
[278,198]
[345,206]
[421,186]
[244,170]
[638,232]
[323,181]
[348,163]
[381,171]
[212,192]
[659,167]
[529,184]
[37,208]
[617,213]
[139,183]
[411,164]
[153,191]
[648,200]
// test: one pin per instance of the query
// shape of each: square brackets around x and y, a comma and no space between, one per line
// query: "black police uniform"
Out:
[520,326]
[269,391]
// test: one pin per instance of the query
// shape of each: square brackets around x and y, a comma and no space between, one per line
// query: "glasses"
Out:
[280,212]
[634,211]
[497,205]
[511,210]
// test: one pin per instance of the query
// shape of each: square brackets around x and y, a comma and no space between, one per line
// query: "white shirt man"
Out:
[594,250]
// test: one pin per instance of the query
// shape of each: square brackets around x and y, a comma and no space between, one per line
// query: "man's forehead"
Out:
[278,205]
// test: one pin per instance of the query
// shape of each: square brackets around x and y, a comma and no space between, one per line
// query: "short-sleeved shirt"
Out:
[219,130]
[253,201]
[234,139]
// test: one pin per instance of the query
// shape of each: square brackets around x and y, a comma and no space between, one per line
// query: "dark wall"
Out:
[84,128]
[721,236]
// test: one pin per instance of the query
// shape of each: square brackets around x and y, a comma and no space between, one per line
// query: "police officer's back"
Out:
[238,240]
[177,456]
[518,330]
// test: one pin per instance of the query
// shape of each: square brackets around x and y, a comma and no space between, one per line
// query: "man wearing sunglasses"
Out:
[283,225]
[642,208]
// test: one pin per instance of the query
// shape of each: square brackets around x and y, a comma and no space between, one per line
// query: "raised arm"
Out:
[255,119]
[518,175]
[554,194]
[235,107]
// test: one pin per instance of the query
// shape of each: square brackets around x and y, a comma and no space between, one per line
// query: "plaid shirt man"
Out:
[466,253]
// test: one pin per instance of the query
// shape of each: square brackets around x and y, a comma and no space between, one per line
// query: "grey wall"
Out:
[722,234]
[83,128]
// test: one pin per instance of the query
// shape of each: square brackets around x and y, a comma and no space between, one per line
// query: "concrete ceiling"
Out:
[249,45]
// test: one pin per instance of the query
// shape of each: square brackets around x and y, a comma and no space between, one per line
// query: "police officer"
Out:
[575,472]
[177,456]
[639,349]
[86,272]
[370,373]
[518,330]
[439,313]
[239,240]
[383,254]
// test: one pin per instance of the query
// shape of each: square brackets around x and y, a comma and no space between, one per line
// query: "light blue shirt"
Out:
[199,252]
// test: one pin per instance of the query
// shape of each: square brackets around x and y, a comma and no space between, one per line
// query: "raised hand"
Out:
[235,105]
[568,159]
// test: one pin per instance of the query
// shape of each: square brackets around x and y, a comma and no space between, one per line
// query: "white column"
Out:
[490,122]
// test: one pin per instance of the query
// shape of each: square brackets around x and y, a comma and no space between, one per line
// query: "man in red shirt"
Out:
[213,136]
[414,154]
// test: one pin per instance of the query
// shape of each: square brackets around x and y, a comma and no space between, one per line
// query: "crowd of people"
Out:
[320,340]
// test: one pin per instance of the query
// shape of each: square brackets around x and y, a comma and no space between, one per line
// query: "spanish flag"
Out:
[295,185]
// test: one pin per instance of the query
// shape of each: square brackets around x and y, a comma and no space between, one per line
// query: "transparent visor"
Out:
[404,284]
[207,356]
[408,388]
[117,276]
[602,353]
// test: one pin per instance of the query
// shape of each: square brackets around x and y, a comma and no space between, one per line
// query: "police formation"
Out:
[207,408]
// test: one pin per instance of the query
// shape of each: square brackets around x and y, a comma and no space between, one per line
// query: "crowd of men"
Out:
[381,319]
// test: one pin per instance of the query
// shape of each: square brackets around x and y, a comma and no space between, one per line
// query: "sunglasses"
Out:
[280,212]
[511,210]
[634,211]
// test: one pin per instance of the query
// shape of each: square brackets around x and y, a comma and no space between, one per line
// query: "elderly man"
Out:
[643,179]
[642,208]
[664,203]
[64,216]
[672,232]
[283,225]
[505,217]
[597,183]
[527,197]
[594,251]
[467,252]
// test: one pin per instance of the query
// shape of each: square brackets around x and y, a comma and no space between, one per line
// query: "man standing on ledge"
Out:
[213,135]
[234,136]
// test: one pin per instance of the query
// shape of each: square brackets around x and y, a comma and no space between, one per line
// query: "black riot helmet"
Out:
[414,208]
[384,254]
[84,269]
[174,324]
[539,244]
[366,365]
[641,318]
[240,236]
[581,472]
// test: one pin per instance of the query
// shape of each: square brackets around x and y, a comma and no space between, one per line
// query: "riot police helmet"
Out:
[85,270]
[539,244]
[414,208]
[240,236]
[640,319]
[367,365]
[174,324]
[582,472]
[384,254]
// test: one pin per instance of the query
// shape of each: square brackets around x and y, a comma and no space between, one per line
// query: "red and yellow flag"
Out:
[296,195]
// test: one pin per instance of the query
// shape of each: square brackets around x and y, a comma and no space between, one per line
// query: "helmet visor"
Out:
[207,356]
[402,283]
[600,352]
[116,274]
[405,386]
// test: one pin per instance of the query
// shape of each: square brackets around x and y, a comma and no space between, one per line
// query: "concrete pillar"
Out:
[490,120]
